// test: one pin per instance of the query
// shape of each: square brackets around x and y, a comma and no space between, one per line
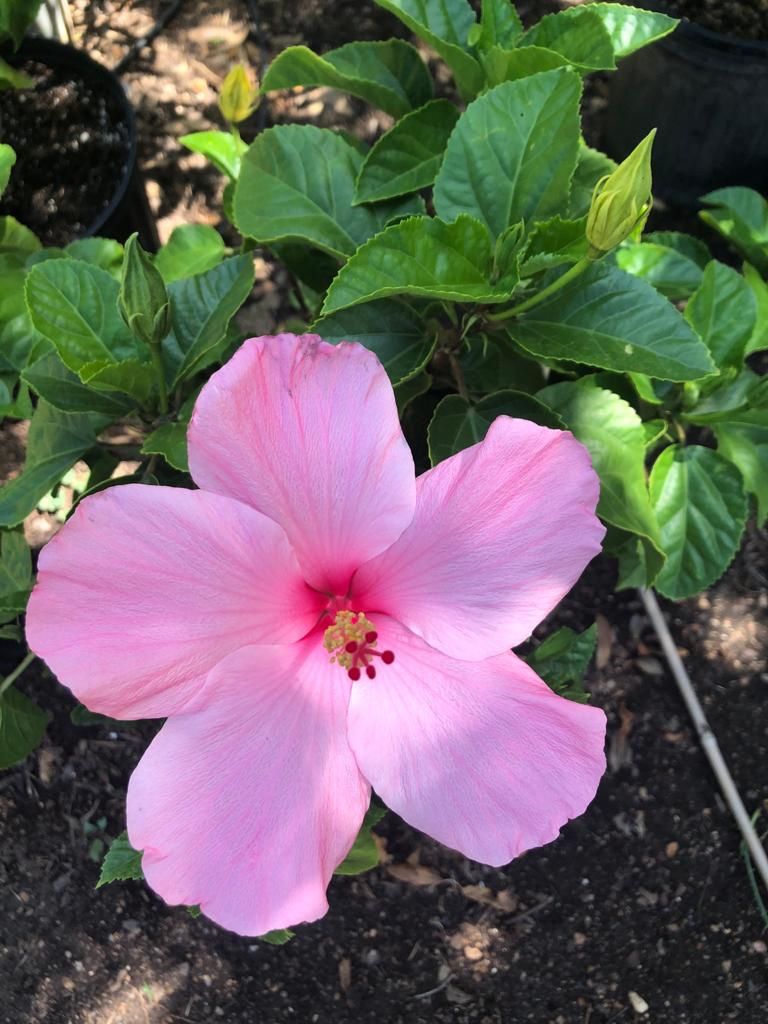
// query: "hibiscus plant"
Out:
[492,372]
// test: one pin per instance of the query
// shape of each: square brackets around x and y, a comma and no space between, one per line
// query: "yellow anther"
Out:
[348,628]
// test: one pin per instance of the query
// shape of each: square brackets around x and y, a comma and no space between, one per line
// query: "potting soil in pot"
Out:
[71,149]
[747,19]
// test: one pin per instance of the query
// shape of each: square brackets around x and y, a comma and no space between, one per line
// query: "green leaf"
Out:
[613,434]
[553,243]
[457,423]
[500,25]
[170,441]
[74,305]
[410,389]
[509,65]
[278,937]
[495,365]
[630,553]
[15,18]
[408,156]
[741,216]
[576,33]
[22,725]
[223,149]
[389,75]
[512,153]
[364,854]
[201,309]
[672,273]
[701,508]
[17,239]
[10,78]
[730,397]
[743,440]
[445,26]
[103,252]
[121,862]
[608,318]
[50,378]
[723,312]
[55,442]
[15,570]
[591,166]
[7,160]
[629,28]
[426,257]
[191,249]
[80,715]
[561,660]
[399,336]
[686,245]
[759,287]
[654,430]
[130,377]
[276,199]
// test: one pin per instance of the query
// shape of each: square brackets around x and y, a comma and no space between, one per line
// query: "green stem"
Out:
[561,282]
[162,389]
[13,676]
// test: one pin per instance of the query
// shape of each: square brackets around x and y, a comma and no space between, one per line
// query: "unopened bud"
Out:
[239,96]
[143,300]
[621,200]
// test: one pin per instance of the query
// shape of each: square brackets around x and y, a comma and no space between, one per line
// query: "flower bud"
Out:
[143,300]
[621,200]
[239,97]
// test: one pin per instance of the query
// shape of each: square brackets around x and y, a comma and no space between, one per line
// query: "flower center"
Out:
[351,642]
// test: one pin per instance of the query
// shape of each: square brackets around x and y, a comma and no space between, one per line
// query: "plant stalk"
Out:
[561,282]
[162,388]
[13,676]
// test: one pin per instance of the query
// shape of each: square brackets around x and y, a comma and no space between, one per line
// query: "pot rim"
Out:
[690,30]
[55,54]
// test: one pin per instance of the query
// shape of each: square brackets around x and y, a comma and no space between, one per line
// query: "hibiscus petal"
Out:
[480,755]
[308,433]
[501,532]
[147,588]
[247,805]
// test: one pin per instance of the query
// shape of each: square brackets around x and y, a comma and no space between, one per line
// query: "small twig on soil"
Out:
[706,736]
[438,988]
[534,910]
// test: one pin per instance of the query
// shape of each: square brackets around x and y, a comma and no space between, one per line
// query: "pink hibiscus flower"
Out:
[315,621]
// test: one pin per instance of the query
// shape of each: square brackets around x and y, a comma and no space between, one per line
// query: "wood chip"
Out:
[345,974]
[604,641]
[650,666]
[414,874]
[504,900]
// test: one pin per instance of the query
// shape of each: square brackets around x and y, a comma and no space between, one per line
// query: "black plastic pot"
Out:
[707,94]
[127,210]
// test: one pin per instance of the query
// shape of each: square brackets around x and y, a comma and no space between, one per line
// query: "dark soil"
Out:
[646,894]
[747,19]
[71,150]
